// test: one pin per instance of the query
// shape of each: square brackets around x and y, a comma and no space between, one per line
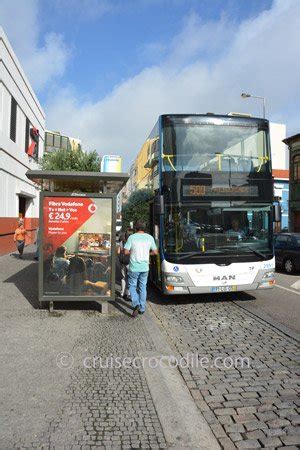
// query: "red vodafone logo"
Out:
[92,208]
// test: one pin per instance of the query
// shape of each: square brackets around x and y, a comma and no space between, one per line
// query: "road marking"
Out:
[296,285]
[286,289]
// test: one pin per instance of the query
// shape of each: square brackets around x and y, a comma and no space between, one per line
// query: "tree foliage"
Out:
[137,207]
[68,160]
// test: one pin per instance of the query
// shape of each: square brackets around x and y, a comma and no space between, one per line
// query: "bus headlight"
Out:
[269,274]
[174,279]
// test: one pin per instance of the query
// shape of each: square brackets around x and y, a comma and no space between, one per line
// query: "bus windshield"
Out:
[207,230]
[213,148]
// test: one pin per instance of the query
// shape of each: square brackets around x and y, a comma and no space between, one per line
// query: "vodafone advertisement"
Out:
[76,246]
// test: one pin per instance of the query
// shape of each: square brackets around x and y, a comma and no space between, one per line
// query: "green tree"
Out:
[137,207]
[67,160]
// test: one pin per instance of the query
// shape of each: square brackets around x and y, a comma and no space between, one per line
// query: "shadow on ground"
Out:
[296,273]
[123,306]
[155,296]
[27,256]
[26,280]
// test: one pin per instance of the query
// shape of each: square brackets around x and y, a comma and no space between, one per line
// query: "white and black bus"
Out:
[212,214]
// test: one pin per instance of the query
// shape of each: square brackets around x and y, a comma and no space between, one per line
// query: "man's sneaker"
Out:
[135,311]
[141,312]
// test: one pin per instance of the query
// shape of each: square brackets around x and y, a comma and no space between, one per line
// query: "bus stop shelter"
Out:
[77,235]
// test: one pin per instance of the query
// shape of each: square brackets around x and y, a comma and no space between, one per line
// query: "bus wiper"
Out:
[191,254]
[257,252]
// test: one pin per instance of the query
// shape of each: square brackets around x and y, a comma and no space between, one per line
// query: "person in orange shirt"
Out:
[19,238]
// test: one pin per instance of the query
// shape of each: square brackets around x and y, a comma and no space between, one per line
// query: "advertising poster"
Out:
[76,246]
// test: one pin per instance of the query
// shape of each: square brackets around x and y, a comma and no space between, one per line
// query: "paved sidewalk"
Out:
[45,406]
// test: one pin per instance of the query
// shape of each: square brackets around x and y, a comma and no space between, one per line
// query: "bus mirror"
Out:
[277,212]
[158,204]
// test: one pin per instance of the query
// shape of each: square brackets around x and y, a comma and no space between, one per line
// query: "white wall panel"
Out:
[14,162]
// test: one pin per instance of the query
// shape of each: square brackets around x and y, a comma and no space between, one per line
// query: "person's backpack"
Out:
[123,258]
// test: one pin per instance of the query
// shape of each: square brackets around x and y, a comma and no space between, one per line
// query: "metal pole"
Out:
[257,96]
[264,103]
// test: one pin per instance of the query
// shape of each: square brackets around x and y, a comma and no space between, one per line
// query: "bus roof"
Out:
[210,117]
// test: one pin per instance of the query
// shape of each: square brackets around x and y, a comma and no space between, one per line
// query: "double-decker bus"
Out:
[212,214]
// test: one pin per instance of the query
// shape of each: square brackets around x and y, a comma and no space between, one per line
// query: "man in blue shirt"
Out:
[138,246]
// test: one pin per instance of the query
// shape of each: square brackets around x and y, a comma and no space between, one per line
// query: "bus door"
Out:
[154,272]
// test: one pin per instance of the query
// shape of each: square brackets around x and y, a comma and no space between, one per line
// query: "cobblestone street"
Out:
[246,408]
[50,399]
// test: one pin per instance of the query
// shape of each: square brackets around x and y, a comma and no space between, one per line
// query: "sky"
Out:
[104,70]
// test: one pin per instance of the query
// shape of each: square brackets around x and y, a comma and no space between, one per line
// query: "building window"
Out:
[35,138]
[49,139]
[13,119]
[64,142]
[27,130]
[296,168]
[57,141]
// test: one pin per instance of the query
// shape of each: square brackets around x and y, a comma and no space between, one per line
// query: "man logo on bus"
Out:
[176,268]
[224,278]
[92,208]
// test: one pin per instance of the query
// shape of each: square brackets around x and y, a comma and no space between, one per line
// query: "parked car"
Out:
[287,251]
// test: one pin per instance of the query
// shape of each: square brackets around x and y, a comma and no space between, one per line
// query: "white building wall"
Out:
[280,155]
[14,162]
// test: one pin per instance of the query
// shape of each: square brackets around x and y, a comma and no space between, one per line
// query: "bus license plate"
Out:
[223,288]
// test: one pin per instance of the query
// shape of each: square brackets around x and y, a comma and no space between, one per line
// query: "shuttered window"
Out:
[27,134]
[296,164]
[13,119]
